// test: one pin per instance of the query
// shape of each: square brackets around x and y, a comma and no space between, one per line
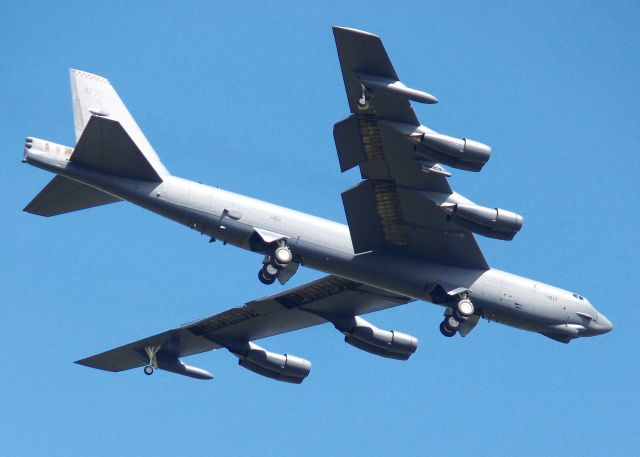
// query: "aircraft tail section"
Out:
[108,141]
[106,146]
[108,137]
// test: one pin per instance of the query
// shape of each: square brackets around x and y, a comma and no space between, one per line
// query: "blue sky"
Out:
[239,94]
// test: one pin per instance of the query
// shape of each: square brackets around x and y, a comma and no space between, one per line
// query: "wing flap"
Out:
[295,309]
[346,135]
[365,226]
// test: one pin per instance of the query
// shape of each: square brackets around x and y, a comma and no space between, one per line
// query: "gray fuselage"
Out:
[326,246]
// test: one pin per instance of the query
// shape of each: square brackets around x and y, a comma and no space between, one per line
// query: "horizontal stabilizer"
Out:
[63,195]
[106,146]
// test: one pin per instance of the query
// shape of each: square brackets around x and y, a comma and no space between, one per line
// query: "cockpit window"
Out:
[579,297]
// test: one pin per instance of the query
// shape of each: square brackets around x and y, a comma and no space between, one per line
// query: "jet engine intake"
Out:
[464,153]
[390,344]
[281,367]
[491,222]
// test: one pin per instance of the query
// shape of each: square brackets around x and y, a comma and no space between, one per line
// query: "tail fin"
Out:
[106,146]
[94,98]
[108,140]
[63,195]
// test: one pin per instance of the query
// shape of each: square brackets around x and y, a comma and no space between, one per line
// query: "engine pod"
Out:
[281,367]
[465,154]
[390,344]
[490,222]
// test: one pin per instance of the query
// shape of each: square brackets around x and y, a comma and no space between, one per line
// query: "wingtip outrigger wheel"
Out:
[151,352]
[363,101]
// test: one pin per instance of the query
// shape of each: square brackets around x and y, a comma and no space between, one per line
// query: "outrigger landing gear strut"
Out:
[151,352]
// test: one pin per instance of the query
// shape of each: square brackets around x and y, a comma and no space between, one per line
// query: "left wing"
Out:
[330,299]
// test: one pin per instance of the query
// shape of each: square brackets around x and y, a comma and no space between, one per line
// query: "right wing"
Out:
[287,311]
[398,205]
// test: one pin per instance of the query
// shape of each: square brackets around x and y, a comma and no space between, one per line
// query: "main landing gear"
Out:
[274,263]
[455,316]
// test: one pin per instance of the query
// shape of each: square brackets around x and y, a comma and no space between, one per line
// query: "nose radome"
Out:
[604,324]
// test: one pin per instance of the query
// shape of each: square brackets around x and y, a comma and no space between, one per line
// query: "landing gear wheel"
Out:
[270,270]
[148,370]
[266,278]
[282,255]
[452,323]
[464,309]
[446,331]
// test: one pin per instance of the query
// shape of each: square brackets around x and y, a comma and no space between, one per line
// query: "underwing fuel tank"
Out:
[175,365]
[491,222]
[462,153]
[394,87]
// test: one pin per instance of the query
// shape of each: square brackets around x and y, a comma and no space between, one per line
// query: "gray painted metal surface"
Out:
[409,236]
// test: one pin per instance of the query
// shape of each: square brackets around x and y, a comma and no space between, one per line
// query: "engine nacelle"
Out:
[491,222]
[281,367]
[390,344]
[462,153]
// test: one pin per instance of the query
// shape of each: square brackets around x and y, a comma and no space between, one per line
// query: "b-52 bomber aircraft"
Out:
[409,236]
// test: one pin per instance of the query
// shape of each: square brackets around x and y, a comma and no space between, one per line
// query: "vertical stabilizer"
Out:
[93,95]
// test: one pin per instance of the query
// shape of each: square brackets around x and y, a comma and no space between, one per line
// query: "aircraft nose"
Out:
[604,324]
